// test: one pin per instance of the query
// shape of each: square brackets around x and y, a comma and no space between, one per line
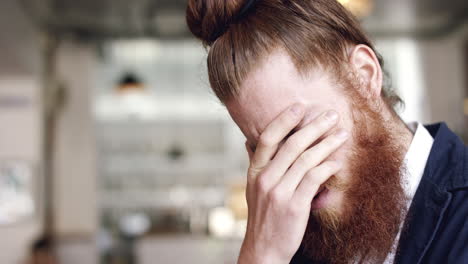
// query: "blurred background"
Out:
[113,150]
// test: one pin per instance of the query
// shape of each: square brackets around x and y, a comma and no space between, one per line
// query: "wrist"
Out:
[248,255]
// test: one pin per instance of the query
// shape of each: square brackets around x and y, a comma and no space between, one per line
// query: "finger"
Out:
[311,158]
[301,140]
[274,133]
[311,182]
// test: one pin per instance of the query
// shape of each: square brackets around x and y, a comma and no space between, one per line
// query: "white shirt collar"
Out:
[415,161]
[416,158]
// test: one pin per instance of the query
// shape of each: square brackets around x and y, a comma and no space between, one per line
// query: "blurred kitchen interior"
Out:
[112,144]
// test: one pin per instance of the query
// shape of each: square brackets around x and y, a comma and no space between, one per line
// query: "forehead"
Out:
[274,86]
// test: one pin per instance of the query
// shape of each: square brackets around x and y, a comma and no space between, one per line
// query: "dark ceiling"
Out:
[416,17]
[110,18]
[165,18]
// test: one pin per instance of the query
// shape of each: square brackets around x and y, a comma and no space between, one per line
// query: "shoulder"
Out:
[448,161]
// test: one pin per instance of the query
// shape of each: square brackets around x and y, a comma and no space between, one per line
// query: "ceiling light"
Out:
[360,8]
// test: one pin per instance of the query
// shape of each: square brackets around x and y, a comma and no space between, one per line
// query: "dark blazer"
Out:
[436,227]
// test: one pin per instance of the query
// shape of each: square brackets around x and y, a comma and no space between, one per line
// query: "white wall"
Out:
[75,164]
[430,77]
[20,140]
[20,130]
[20,136]
[443,68]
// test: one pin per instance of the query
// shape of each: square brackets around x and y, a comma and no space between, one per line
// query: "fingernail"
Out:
[296,109]
[342,134]
[309,118]
[331,115]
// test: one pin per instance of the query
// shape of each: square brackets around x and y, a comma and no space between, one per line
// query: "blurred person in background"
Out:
[335,175]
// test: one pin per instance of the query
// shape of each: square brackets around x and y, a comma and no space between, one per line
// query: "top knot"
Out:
[210,19]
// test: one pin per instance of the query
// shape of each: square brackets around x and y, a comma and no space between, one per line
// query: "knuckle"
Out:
[253,171]
[252,175]
[305,158]
[311,177]
[295,209]
[266,140]
[276,196]
[261,185]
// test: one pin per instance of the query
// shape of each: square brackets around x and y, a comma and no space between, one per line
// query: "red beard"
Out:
[374,203]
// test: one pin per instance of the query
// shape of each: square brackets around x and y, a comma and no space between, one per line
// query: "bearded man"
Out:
[335,175]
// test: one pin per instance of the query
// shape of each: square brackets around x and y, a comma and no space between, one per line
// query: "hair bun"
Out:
[209,19]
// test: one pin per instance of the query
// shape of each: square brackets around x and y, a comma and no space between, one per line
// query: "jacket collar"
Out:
[445,171]
[447,164]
